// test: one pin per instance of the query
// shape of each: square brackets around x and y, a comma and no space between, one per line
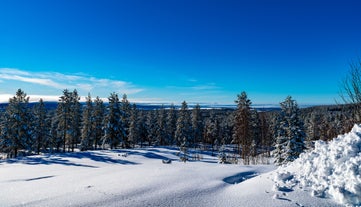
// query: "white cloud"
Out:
[55,82]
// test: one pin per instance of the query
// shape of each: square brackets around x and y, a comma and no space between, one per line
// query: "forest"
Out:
[244,132]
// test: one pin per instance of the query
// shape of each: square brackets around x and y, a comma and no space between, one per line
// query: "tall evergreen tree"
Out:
[114,129]
[63,113]
[87,131]
[98,119]
[211,131]
[134,126]
[75,119]
[171,121]
[290,133]
[161,127]
[152,126]
[197,125]
[41,127]
[184,130]
[16,131]
[125,116]
[242,129]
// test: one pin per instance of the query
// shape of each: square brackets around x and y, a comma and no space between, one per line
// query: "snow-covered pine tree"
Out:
[98,119]
[242,135]
[161,130]
[183,131]
[143,130]
[16,131]
[114,129]
[171,121]
[211,131]
[75,119]
[63,113]
[125,114]
[41,126]
[87,130]
[290,133]
[151,126]
[197,125]
[134,125]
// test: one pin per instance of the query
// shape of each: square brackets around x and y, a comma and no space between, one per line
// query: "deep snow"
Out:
[106,178]
[331,170]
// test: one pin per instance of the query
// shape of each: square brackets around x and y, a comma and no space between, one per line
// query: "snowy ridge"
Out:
[330,170]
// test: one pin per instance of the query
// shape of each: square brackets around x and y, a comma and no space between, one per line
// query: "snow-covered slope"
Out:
[107,178]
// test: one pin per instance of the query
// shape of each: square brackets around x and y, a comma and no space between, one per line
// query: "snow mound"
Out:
[332,169]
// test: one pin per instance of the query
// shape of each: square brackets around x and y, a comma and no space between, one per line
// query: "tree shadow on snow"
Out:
[147,154]
[61,159]
[240,177]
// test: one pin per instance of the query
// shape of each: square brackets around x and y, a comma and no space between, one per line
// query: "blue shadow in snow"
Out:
[61,159]
[240,177]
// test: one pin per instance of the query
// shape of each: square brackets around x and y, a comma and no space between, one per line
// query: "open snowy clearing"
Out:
[107,178]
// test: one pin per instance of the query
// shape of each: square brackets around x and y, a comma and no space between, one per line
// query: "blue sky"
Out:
[202,51]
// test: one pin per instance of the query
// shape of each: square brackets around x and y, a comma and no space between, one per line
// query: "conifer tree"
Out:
[63,113]
[171,121]
[161,130]
[114,129]
[211,132]
[41,127]
[183,130]
[143,131]
[151,126]
[125,116]
[75,119]
[242,129]
[87,131]
[16,131]
[197,125]
[98,119]
[134,126]
[55,136]
[290,133]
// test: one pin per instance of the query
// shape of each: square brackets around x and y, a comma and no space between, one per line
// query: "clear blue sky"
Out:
[203,51]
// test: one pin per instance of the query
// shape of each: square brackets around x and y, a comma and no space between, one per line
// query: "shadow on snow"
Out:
[240,177]
[61,159]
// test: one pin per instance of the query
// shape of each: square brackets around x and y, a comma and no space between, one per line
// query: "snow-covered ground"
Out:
[107,178]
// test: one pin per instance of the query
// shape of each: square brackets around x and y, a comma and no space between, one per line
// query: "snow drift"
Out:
[331,170]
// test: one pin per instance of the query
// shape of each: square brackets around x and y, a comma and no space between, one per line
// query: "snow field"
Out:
[106,178]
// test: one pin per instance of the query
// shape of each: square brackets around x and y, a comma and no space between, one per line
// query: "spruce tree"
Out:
[75,119]
[87,131]
[161,130]
[41,127]
[183,131]
[98,119]
[171,121]
[242,129]
[151,126]
[197,125]
[290,133]
[125,116]
[134,126]
[16,131]
[114,129]
[63,113]
[211,132]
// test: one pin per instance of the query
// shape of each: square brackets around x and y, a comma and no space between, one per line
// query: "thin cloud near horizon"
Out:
[55,82]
